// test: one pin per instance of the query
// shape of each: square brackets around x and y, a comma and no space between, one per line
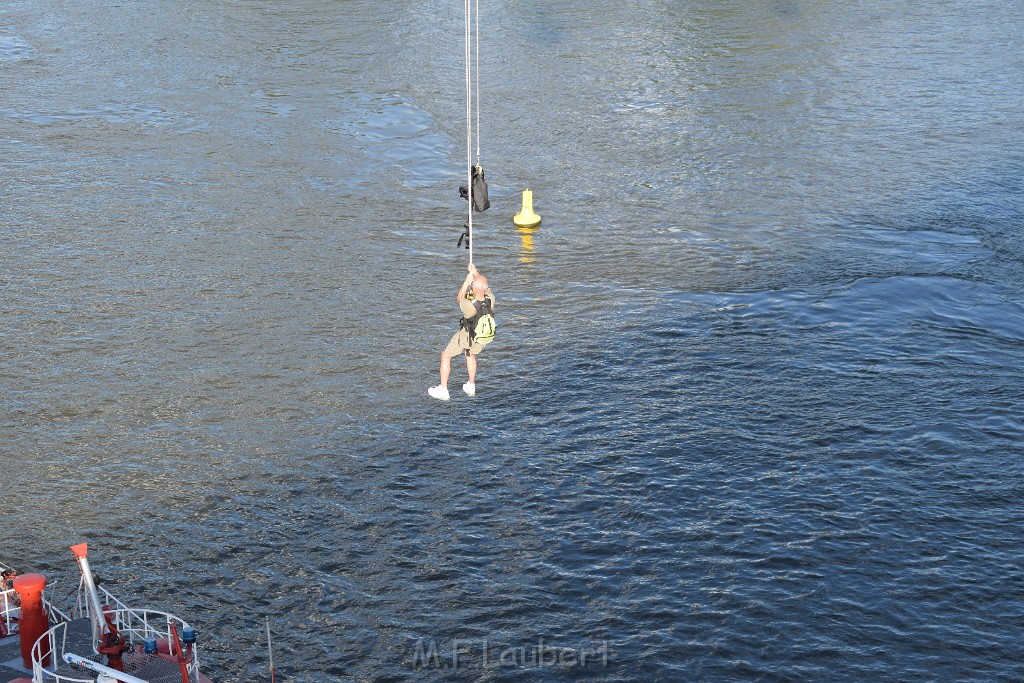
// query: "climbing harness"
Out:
[475,189]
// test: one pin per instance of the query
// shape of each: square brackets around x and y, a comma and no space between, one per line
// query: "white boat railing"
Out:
[54,612]
[134,624]
[10,610]
[10,604]
[47,644]
[84,605]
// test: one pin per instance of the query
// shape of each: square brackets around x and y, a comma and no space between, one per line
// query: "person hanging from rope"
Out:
[476,329]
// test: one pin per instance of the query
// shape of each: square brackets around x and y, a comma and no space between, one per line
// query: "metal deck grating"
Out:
[140,665]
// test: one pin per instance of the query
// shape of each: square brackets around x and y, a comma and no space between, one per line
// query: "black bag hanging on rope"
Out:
[480,201]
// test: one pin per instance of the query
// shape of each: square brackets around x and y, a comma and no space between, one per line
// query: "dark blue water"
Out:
[754,410]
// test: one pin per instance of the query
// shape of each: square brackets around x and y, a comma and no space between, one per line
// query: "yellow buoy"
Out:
[526,218]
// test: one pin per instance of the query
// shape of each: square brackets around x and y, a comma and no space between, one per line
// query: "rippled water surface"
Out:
[754,410]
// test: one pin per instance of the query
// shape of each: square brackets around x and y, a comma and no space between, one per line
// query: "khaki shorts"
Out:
[460,344]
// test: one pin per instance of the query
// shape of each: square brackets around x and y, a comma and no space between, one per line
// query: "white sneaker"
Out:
[469,388]
[439,392]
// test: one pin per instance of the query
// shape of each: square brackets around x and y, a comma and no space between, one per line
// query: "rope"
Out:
[472,43]
[469,130]
[478,81]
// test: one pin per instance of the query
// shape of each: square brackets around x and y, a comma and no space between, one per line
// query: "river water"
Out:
[753,411]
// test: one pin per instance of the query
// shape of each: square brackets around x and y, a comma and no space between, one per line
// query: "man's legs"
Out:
[470,368]
[441,390]
[446,367]
[455,346]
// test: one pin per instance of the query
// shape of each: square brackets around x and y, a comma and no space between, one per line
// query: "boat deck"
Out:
[10,659]
[138,664]
[79,631]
